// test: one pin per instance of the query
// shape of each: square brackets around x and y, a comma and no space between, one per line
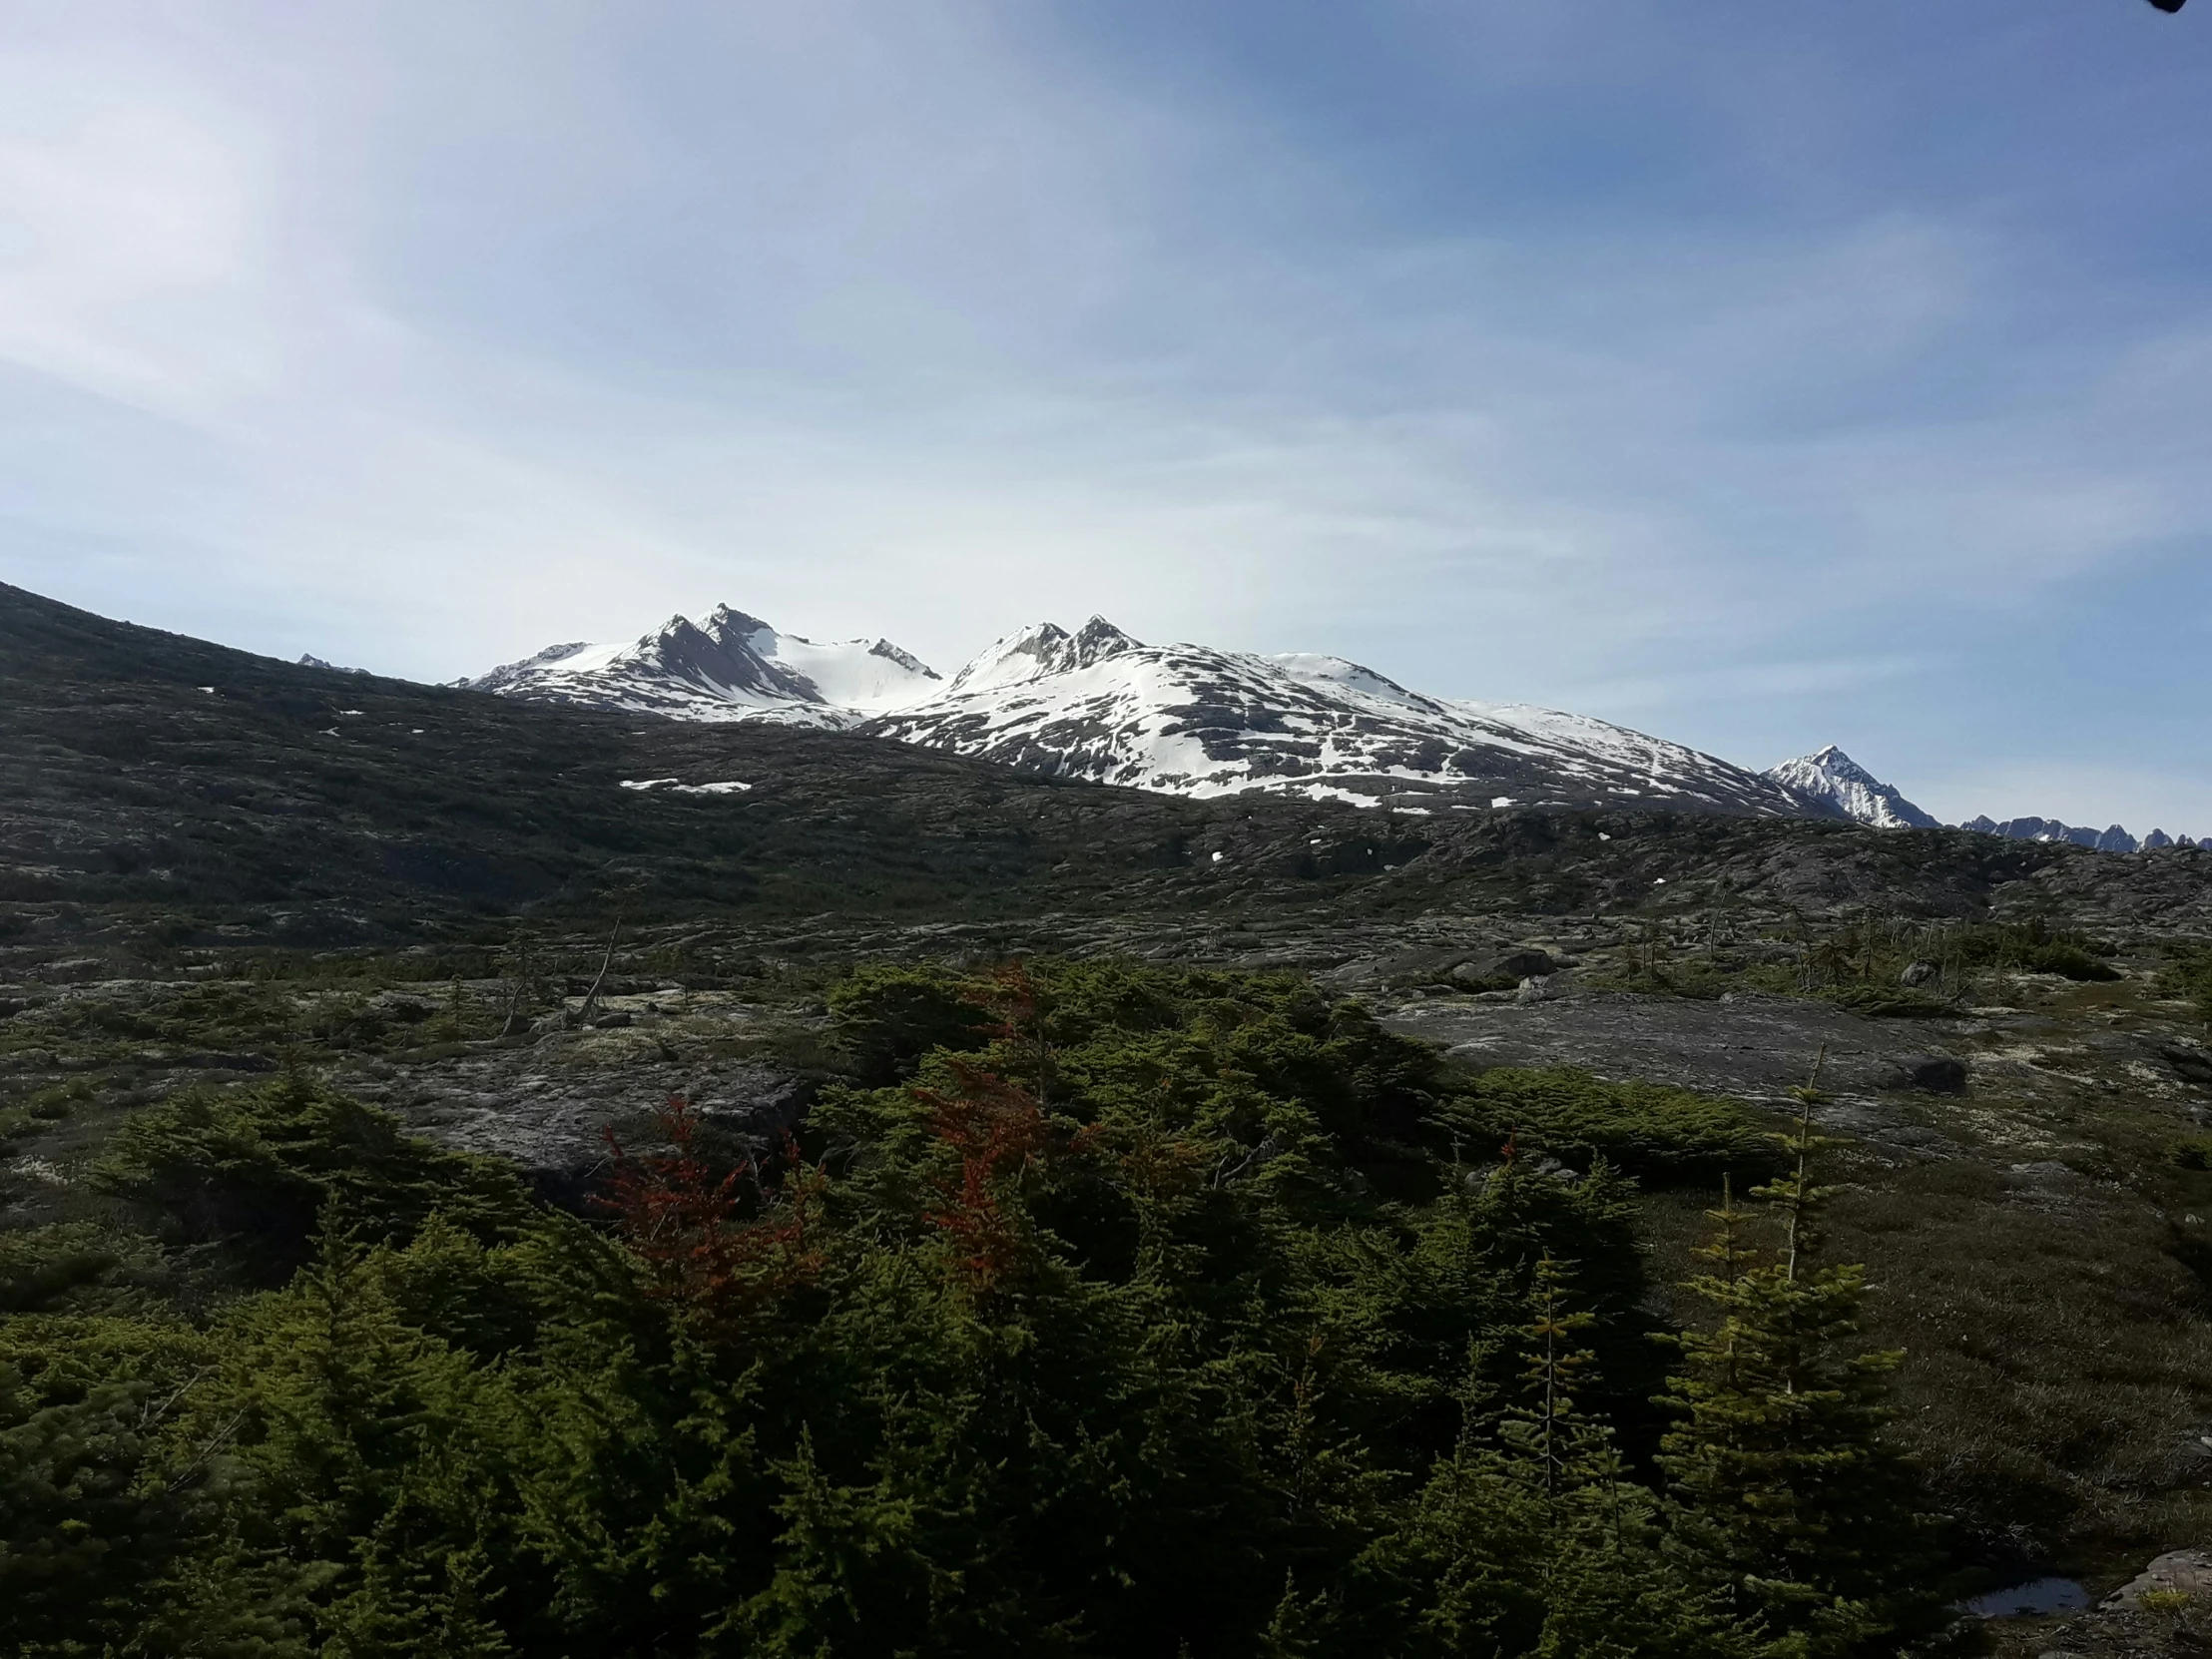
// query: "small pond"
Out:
[2038,1595]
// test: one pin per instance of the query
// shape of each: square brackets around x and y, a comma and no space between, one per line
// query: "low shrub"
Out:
[1657,1133]
[260,1165]
[2191,1152]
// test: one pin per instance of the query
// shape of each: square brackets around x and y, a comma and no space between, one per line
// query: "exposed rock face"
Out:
[1831,777]
[551,1105]
[2187,1572]
[2190,1064]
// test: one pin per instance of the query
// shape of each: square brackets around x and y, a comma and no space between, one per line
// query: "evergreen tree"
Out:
[81,1536]
[1546,1435]
[1782,1494]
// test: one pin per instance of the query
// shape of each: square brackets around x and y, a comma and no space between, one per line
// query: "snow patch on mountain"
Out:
[1832,777]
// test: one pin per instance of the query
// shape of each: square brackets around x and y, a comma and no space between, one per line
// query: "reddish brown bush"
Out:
[725,1246]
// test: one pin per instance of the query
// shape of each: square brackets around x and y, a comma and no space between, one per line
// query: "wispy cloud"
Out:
[1742,373]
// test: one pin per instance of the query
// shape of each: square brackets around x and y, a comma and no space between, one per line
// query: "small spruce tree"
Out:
[1782,1494]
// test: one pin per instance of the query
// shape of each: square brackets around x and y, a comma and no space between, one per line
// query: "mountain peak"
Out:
[725,625]
[1833,758]
[735,667]
[1835,782]
[1099,638]
[1043,649]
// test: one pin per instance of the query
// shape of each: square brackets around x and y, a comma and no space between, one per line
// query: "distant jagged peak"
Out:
[1024,654]
[681,628]
[309,660]
[1834,782]
[2115,838]
[555,653]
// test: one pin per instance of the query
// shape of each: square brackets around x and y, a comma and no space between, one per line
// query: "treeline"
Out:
[1113,1311]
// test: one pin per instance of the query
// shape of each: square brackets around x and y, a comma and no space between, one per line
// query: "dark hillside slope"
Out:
[149,776]
[138,767]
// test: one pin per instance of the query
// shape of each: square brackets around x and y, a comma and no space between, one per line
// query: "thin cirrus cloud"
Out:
[1762,377]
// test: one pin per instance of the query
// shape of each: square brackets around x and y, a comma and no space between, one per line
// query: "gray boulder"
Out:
[2192,1065]
[1932,1074]
[2188,1572]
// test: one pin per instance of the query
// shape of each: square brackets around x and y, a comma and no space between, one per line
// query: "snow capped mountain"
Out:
[1100,705]
[1191,719]
[735,667]
[1833,777]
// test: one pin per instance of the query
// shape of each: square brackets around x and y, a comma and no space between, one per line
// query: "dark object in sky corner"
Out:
[2169,5]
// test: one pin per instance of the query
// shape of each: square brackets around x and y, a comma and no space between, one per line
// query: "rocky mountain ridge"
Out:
[1101,706]
[1194,720]
[2115,838]
[1104,707]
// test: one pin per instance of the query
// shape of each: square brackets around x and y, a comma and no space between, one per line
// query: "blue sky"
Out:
[1759,375]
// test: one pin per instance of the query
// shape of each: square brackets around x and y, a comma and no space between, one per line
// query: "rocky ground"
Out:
[198,888]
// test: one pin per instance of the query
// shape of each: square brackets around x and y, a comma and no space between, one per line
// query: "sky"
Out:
[1757,376]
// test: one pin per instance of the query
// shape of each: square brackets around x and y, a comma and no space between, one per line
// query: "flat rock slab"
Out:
[549,1110]
[1751,1047]
[2185,1572]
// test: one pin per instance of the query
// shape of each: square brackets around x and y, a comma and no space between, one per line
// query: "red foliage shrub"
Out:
[996,1128]
[694,1227]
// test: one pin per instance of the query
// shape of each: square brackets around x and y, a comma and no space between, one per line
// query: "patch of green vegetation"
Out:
[2065,957]
[1151,1311]
[2191,1152]
[1697,978]
[2107,1293]
[45,1106]
[1885,1002]
[258,1168]
[1660,1134]
[887,1016]
[2190,977]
